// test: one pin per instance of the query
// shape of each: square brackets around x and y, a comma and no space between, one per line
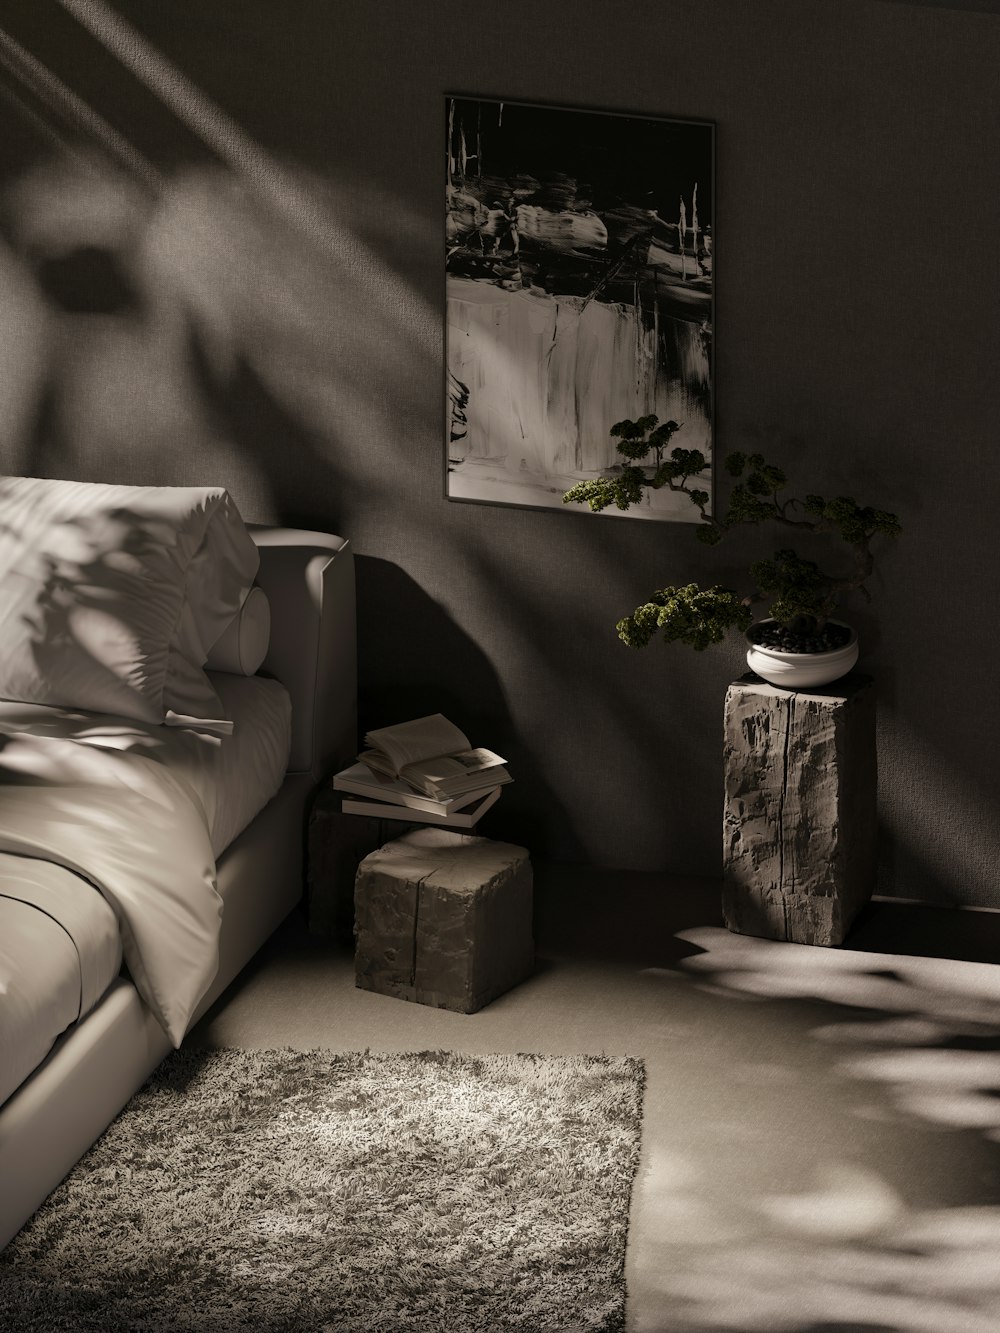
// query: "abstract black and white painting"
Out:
[579,293]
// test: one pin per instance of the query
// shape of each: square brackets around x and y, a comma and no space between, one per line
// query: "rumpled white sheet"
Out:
[139,834]
[60,944]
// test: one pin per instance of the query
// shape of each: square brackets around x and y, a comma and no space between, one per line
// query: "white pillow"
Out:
[242,646]
[110,596]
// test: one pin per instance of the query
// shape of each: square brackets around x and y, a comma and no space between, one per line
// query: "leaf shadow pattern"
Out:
[106,563]
[88,280]
[241,407]
[929,1028]
[889,1219]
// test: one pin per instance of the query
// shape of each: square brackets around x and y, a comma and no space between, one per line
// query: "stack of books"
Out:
[428,768]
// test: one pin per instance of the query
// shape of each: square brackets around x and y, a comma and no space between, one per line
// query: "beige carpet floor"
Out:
[821,1142]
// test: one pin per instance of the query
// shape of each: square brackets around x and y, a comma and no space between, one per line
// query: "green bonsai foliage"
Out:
[801,595]
[636,440]
[692,615]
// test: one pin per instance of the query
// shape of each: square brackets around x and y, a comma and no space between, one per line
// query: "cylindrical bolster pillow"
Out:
[242,647]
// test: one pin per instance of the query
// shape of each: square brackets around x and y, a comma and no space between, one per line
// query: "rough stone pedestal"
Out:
[443,918]
[800,825]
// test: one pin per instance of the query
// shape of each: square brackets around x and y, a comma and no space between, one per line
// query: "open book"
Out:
[433,757]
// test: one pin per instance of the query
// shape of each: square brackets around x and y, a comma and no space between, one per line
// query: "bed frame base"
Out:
[94,1068]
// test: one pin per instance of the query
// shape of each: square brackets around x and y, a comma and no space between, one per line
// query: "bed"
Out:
[302,704]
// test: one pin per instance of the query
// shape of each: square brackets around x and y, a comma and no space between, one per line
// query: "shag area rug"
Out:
[311,1192]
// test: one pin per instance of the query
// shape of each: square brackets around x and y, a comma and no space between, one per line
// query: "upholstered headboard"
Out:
[309,581]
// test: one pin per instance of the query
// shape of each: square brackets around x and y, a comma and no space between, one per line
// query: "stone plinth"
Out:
[444,919]
[800,824]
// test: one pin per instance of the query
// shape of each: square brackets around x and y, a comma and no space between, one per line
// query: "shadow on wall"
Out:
[194,331]
[408,683]
[87,281]
[598,711]
[925,775]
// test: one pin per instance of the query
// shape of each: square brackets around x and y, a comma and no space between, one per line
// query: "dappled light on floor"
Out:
[934,1034]
[861,1192]
[948,1087]
[928,1272]
[847,1204]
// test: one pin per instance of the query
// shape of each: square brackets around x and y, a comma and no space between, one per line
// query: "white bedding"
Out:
[235,776]
[141,811]
[111,596]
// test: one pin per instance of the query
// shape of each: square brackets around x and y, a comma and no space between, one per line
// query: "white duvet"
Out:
[138,833]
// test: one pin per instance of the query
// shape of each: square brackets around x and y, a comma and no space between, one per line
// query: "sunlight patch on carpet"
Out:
[294,1190]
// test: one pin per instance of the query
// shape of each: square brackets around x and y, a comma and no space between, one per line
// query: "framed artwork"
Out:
[578,293]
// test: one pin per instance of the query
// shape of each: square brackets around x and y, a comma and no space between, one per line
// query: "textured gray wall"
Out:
[277,328]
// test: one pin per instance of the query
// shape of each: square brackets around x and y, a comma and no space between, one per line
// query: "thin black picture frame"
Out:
[503,198]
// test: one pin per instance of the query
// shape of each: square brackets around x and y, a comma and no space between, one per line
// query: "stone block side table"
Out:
[444,919]
[799,827]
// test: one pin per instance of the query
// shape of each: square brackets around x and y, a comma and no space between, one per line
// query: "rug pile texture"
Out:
[312,1192]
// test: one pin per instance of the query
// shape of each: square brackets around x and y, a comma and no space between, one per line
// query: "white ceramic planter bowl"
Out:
[797,671]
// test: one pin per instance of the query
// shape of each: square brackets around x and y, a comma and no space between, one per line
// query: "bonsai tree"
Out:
[802,596]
